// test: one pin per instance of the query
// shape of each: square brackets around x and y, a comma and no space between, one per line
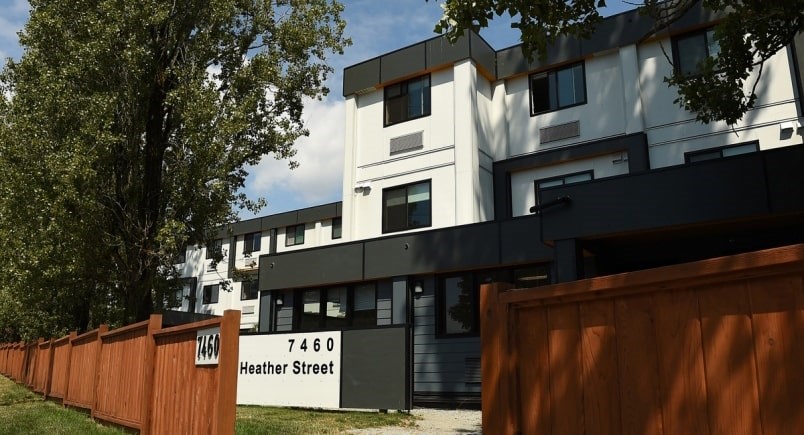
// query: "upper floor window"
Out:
[690,50]
[717,153]
[406,207]
[561,180]
[407,100]
[294,235]
[336,228]
[557,89]
[210,294]
[249,289]
[182,256]
[252,243]
[214,247]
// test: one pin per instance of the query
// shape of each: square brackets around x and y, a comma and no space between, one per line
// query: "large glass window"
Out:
[336,228]
[294,235]
[561,180]
[252,243]
[718,153]
[407,100]
[690,50]
[249,289]
[210,294]
[406,207]
[457,305]
[310,318]
[557,89]
[336,308]
[365,305]
[215,247]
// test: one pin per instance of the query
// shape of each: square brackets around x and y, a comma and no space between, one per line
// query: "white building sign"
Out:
[290,370]
[207,346]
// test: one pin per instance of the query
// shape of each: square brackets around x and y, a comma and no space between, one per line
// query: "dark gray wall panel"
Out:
[483,54]
[617,31]
[463,247]
[707,191]
[374,369]
[361,76]
[441,52]
[403,63]
[284,314]
[785,169]
[520,241]
[322,212]
[400,305]
[280,220]
[339,263]
[384,302]
[265,312]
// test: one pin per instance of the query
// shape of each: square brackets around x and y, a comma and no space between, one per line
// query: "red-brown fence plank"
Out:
[777,307]
[84,358]
[566,386]
[534,369]
[638,369]
[729,359]
[61,366]
[599,368]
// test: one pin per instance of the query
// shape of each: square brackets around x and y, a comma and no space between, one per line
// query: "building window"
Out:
[406,207]
[560,181]
[249,289]
[336,228]
[310,317]
[252,243]
[407,100]
[457,305]
[210,294]
[690,50]
[365,305]
[294,235]
[557,89]
[336,308]
[215,247]
[718,153]
[182,256]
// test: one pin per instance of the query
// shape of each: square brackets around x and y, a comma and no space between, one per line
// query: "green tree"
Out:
[750,33]
[127,128]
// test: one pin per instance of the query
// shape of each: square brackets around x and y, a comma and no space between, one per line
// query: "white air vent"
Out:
[408,142]
[248,309]
[561,131]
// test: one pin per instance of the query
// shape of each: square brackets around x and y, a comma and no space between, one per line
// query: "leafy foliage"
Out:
[751,32]
[127,128]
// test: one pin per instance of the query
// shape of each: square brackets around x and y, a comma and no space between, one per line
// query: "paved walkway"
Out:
[433,421]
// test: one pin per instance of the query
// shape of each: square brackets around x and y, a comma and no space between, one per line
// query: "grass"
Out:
[23,412]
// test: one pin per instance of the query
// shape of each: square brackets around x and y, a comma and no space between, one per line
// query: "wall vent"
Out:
[248,309]
[408,142]
[561,131]
[471,370]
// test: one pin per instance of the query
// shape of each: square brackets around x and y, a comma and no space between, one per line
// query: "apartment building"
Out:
[465,165]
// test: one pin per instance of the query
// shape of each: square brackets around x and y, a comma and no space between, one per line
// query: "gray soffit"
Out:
[613,32]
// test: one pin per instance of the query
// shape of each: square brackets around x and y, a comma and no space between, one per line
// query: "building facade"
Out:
[465,165]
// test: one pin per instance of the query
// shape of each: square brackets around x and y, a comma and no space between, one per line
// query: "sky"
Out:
[375,27]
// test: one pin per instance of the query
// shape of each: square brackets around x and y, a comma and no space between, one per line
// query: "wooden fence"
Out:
[708,347]
[139,376]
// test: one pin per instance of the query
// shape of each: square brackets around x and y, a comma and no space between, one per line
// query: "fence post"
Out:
[498,411]
[154,324]
[226,397]
[95,379]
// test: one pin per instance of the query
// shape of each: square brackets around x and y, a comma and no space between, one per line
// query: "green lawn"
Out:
[23,412]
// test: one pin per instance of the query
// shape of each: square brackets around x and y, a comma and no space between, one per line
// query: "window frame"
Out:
[254,282]
[295,234]
[215,246]
[252,242]
[554,72]
[321,321]
[705,32]
[441,306]
[408,225]
[690,155]
[403,94]
[563,177]
[212,298]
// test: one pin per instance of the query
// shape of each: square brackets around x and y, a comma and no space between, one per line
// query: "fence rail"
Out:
[140,376]
[706,347]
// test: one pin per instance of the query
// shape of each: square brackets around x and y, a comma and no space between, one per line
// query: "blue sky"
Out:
[376,27]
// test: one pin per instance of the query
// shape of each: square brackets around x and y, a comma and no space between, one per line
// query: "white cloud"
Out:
[318,178]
